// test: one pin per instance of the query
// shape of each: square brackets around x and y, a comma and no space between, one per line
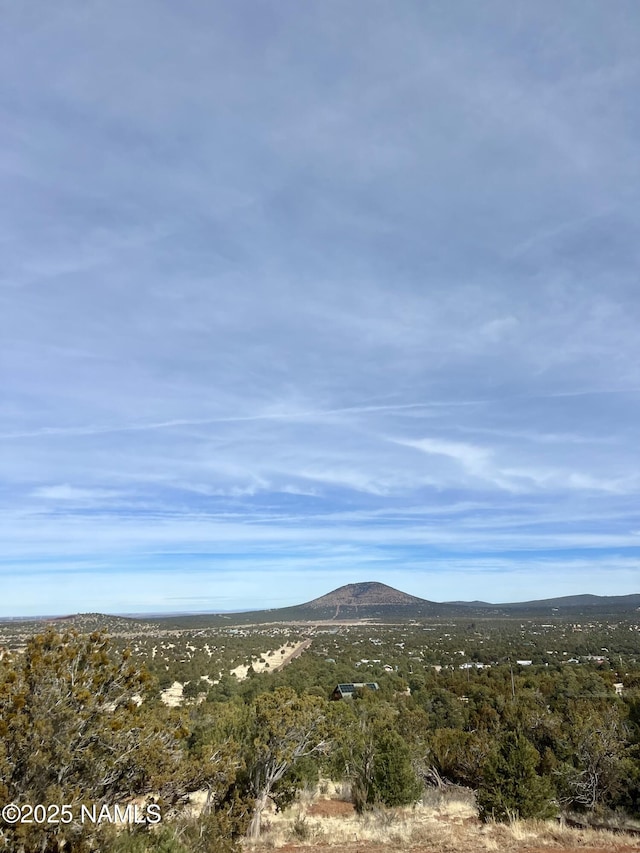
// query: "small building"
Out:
[346,691]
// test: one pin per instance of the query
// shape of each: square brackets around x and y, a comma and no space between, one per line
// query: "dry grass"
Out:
[445,822]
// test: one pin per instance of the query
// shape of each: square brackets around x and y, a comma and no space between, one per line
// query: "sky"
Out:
[294,295]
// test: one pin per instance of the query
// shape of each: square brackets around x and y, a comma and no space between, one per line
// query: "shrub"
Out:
[511,788]
[395,783]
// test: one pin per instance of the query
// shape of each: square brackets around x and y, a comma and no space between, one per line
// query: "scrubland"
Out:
[442,822]
[480,735]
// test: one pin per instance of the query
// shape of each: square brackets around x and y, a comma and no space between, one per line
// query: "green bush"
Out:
[383,773]
[395,783]
[511,787]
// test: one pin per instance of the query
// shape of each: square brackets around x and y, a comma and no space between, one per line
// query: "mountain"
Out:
[370,601]
[379,602]
[354,601]
[373,600]
[363,595]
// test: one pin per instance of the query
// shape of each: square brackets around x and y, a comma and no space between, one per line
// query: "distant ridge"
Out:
[374,601]
[581,601]
[368,600]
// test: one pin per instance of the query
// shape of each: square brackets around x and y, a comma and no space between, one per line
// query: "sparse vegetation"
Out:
[537,717]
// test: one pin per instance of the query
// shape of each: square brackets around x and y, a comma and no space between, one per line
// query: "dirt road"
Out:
[295,653]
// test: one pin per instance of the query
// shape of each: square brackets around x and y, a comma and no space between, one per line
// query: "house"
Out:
[346,691]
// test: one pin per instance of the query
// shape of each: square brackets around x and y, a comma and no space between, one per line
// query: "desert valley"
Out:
[461,725]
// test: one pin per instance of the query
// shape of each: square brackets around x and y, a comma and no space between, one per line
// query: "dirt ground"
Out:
[331,808]
[366,847]
[441,824]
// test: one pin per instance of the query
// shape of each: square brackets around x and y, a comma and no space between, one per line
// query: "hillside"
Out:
[363,600]
[583,603]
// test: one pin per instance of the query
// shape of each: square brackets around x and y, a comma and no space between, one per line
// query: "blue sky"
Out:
[300,294]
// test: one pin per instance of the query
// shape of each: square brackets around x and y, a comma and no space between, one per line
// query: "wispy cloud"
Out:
[65,492]
[472,458]
[330,288]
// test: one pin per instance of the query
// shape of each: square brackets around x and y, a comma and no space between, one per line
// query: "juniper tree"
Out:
[285,728]
[376,758]
[73,731]
[511,787]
